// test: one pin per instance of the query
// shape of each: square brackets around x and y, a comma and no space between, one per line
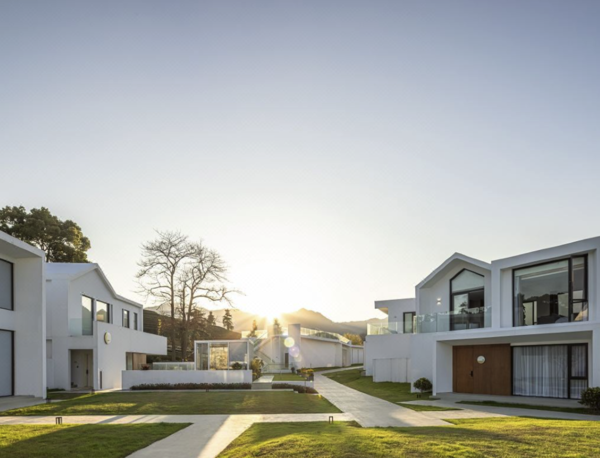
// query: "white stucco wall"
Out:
[384,347]
[320,353]
[396,309]
[64,330]
[28,319]
[427,297]
[132,378]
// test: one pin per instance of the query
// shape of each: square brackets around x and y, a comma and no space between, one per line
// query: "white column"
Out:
[595,359]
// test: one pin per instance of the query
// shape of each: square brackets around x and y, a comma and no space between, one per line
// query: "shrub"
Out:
[192,386]
[237,366]
[590,398]
[423,385]
[296,388]
[257,365]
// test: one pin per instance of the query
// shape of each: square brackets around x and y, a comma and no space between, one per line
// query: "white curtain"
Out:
[541,371]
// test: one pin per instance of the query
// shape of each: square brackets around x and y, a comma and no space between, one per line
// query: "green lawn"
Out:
[481,438]
[392,392]
[81,441]
[186,403]
[581,410]
[286,377]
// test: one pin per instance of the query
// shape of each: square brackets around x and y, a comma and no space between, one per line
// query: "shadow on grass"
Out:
[85,441]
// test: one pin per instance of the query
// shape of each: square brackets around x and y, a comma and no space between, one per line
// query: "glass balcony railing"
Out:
[475,318]
[380,329]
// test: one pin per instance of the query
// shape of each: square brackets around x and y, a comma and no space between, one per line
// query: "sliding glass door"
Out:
[6,363]
[550,371]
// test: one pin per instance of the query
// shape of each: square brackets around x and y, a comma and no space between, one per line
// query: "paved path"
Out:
[206,437]
[368,410]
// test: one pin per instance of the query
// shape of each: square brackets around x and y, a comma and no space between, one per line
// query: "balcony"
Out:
[475,318]
[381,329]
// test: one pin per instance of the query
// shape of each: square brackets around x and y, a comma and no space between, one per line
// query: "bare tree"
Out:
[160,267]
[181,273]
[203,278]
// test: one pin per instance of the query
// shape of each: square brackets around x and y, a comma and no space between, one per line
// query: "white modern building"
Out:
[92,334]
[22,319]
[298,347]
[215,361]
[527,325]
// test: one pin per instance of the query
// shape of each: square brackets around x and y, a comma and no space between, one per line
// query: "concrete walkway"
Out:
[368,410]
[206,437]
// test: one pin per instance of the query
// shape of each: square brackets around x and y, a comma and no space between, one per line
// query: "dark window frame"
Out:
[108,311]
[12,334]
[126,312]
[466,291]
[570,280]
[93,313]
[135,321]
[569,359]
[412,324]
[12,285]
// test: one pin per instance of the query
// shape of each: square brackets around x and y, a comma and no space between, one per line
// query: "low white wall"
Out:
[391,370]
[131,378]
[385,347]
[358,355]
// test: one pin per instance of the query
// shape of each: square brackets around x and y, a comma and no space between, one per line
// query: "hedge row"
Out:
[193,386]
[296,388]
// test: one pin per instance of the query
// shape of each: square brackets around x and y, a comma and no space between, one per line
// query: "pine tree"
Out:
[228,320]
[254,329]
[210,319]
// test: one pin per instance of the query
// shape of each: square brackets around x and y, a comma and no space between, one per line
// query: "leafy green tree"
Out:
[354,339]
[228,320]
[62,241]
[211,319]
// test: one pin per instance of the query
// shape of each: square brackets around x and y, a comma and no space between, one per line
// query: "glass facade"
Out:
[87,328]
[125,318]
[6,285]
[554,371]
[554,292]
[467,301]
[102,312]
[222,356]
[6,363]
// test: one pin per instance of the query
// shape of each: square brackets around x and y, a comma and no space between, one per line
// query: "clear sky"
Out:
[334,152]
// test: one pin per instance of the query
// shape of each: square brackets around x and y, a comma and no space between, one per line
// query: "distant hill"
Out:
[242,321]
[152,325]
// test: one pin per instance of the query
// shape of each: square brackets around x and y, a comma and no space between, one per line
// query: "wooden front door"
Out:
[493,376]
[462,369]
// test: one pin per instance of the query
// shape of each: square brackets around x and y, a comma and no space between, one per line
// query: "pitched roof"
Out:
[71,271]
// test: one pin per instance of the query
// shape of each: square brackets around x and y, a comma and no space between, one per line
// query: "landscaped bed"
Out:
[490,437]
[183,403]
[80,441]
[396,393]
[287,377]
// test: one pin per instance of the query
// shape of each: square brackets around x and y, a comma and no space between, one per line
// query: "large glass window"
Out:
[6,285]
[87,328]
[125,318]
[6,363]
[554,292]
[467,301]
[407,318]
[219,356]
[238,355]
[202,356]
[102,312]
[545,371]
